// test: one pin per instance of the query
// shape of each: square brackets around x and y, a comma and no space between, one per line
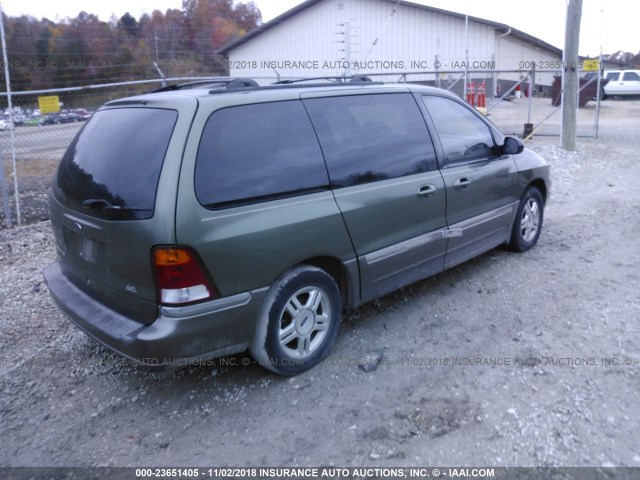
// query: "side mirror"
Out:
[512,146]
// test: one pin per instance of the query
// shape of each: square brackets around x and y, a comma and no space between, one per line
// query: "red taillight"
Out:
[179,276]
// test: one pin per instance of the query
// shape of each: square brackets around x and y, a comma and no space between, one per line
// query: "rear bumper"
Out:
[179,336]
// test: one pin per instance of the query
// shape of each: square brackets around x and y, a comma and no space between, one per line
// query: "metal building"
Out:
[346,37]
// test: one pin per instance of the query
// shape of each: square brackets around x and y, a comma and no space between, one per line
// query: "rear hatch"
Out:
[113,199]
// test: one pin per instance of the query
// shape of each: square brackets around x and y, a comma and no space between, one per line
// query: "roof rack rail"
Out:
[337,80]
[237,85]
[222,82]
[228,84]
[240,84]
[361,79]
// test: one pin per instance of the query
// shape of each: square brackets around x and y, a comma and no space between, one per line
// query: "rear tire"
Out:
[528,223]
[299,321]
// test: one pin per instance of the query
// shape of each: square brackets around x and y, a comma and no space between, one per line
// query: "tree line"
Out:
[85,50]
[627,59]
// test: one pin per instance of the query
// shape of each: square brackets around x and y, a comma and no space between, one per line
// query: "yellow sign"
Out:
[591,65]
[50,104]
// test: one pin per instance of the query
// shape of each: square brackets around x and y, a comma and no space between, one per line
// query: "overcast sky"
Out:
[542,18]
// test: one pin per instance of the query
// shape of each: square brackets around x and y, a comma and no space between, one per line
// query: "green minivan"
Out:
[200,221]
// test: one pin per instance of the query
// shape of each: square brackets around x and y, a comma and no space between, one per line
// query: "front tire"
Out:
[528,224]
[299,321]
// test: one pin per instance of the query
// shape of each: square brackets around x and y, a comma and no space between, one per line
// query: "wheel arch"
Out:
[541,185]
[341,274]
[266,344]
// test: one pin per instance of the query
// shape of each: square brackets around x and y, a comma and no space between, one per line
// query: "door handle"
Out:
[462,182]
[426,191]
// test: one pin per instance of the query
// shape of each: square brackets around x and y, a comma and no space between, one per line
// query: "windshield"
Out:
[112,167]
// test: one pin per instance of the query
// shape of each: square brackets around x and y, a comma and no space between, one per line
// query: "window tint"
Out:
[464,136]
[631,77]
[112,166]
[254,152]
[613,76]
[366,138]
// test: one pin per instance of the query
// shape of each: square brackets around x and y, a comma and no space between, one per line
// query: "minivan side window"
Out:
[631,77]
[613,76]
[258,152]
[464,137]
[367,138]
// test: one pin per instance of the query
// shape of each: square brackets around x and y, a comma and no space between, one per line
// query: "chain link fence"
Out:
[32,143]
[521,103]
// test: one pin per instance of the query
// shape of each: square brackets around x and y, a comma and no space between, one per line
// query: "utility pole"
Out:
[570,74]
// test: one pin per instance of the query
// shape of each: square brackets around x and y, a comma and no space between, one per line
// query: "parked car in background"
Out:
[33,121]
[74,115]
[81,114]
[249,217]
[65,117]
[18,116]
[19,119]
[50,119]
[5,124]
[622,83]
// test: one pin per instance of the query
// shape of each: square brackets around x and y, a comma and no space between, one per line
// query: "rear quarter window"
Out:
[112,167]
[258,152]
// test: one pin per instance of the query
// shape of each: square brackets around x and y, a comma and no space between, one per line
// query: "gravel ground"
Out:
[507,360]
[34,203]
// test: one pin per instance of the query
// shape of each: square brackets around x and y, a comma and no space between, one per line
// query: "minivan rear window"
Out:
[112,167]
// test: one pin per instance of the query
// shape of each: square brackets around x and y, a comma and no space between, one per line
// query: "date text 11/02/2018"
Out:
[312,472]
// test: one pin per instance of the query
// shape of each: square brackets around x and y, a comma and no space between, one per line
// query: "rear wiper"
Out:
[107,205]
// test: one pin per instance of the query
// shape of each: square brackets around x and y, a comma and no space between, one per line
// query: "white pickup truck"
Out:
[622,83]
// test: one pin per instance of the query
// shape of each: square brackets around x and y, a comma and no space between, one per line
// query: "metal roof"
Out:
[504,28]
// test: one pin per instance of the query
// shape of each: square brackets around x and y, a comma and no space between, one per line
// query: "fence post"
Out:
[11,122]
[528,127]
[598,96]
[5,194]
